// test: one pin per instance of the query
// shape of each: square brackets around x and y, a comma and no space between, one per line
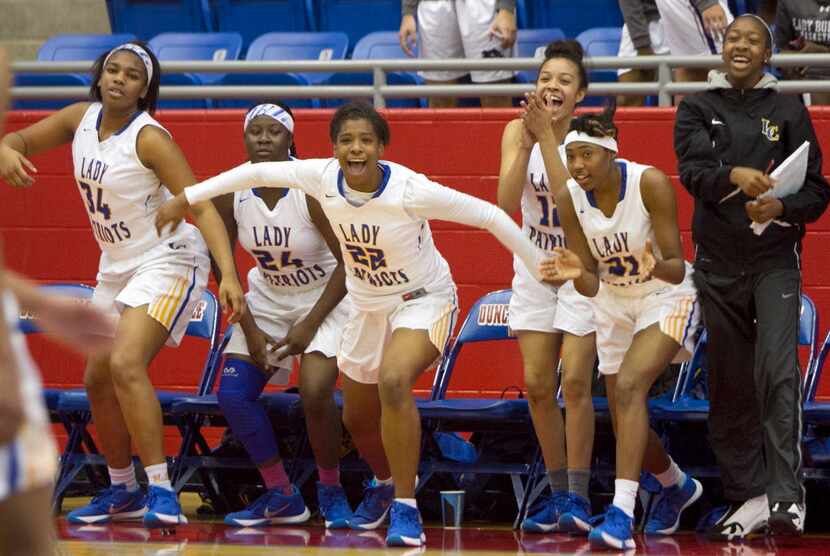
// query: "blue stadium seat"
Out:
[146,18]
[253,18]
[357,17]
[182,79]
[47,80]
[571,17]
[531,43]
[266,79]
[301,46]
[72,407]
[61,48]
[600,41]
[198,46]
[378,45]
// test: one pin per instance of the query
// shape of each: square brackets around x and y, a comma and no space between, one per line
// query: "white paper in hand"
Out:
[789,178]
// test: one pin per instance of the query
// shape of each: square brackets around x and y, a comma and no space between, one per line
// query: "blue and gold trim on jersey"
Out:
[167,308]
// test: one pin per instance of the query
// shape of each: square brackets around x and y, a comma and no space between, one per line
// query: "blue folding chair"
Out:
[531,43]
[379,45]
[357,18]
[73,406]
[146,18]
[215,47]
[203,410]
[253,18]
[486,321]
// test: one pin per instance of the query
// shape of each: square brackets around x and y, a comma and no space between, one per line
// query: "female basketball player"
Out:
[545,318]
[294,295]
[27,450]
[403,294]
[620,220]
[150,283]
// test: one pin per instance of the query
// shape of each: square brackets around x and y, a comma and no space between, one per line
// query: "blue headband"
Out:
[272,111]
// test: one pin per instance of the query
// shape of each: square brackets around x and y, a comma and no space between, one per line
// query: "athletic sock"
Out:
[157,476]
[275,477]
[125,476]
[671,476]
[625,495]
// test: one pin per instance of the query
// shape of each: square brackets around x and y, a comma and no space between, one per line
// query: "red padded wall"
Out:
[47,235]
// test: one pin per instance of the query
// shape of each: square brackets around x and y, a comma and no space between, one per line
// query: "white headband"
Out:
[580,137]
[138,51]
[272,111]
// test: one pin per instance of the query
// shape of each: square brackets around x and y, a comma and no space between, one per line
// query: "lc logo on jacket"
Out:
[769,130]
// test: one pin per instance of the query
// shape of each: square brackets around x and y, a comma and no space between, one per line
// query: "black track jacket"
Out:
[722,127]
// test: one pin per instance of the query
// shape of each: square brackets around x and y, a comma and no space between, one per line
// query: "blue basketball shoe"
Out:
[334,506]
[665,518]
[372,510]
[163,509]
[272,508]
[112,504]
[544,516]
[405,526]
[614,532]
[576,516]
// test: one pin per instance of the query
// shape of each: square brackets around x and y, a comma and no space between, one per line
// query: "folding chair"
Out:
[215,47]
[73,407]
[486,321]
[149,17]
[600,41]
[252,18]
[203,410]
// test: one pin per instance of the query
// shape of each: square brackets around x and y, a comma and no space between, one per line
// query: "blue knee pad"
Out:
[242,383]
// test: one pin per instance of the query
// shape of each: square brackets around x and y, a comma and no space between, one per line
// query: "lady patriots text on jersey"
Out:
[120,194]
[289,250]
[618,242]
[389,253]
[540,219]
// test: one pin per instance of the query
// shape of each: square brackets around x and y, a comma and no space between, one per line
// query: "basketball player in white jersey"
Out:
[295,298]
[547,320]
[404,296]
[624,249]
[125,166]
[28,456]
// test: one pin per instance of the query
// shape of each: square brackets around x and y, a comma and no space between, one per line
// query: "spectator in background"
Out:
[642,35]
[458,29]
[803,26]
[693,27]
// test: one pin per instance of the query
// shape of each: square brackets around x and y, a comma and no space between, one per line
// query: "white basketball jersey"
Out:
[291,254]
[540,219]
[120,194]
[28,375]
[618,242]
[389,254]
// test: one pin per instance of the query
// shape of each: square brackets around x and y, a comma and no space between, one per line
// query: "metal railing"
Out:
[664,87]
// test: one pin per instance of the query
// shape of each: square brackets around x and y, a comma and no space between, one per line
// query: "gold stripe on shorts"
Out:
[165,306]
[675,323]
[440,330]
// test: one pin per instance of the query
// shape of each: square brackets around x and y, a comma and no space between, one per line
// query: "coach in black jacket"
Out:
[728,138]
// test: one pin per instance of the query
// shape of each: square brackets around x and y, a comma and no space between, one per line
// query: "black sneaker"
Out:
[787,518]
[740,520]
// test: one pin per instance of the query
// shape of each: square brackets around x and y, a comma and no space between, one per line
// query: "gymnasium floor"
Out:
[204,537]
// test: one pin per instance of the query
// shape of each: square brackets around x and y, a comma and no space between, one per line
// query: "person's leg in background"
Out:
[734,424]
[778,387]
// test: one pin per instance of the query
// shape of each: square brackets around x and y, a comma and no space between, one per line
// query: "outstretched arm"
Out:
[297,174]
[426,199]
[576,262]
